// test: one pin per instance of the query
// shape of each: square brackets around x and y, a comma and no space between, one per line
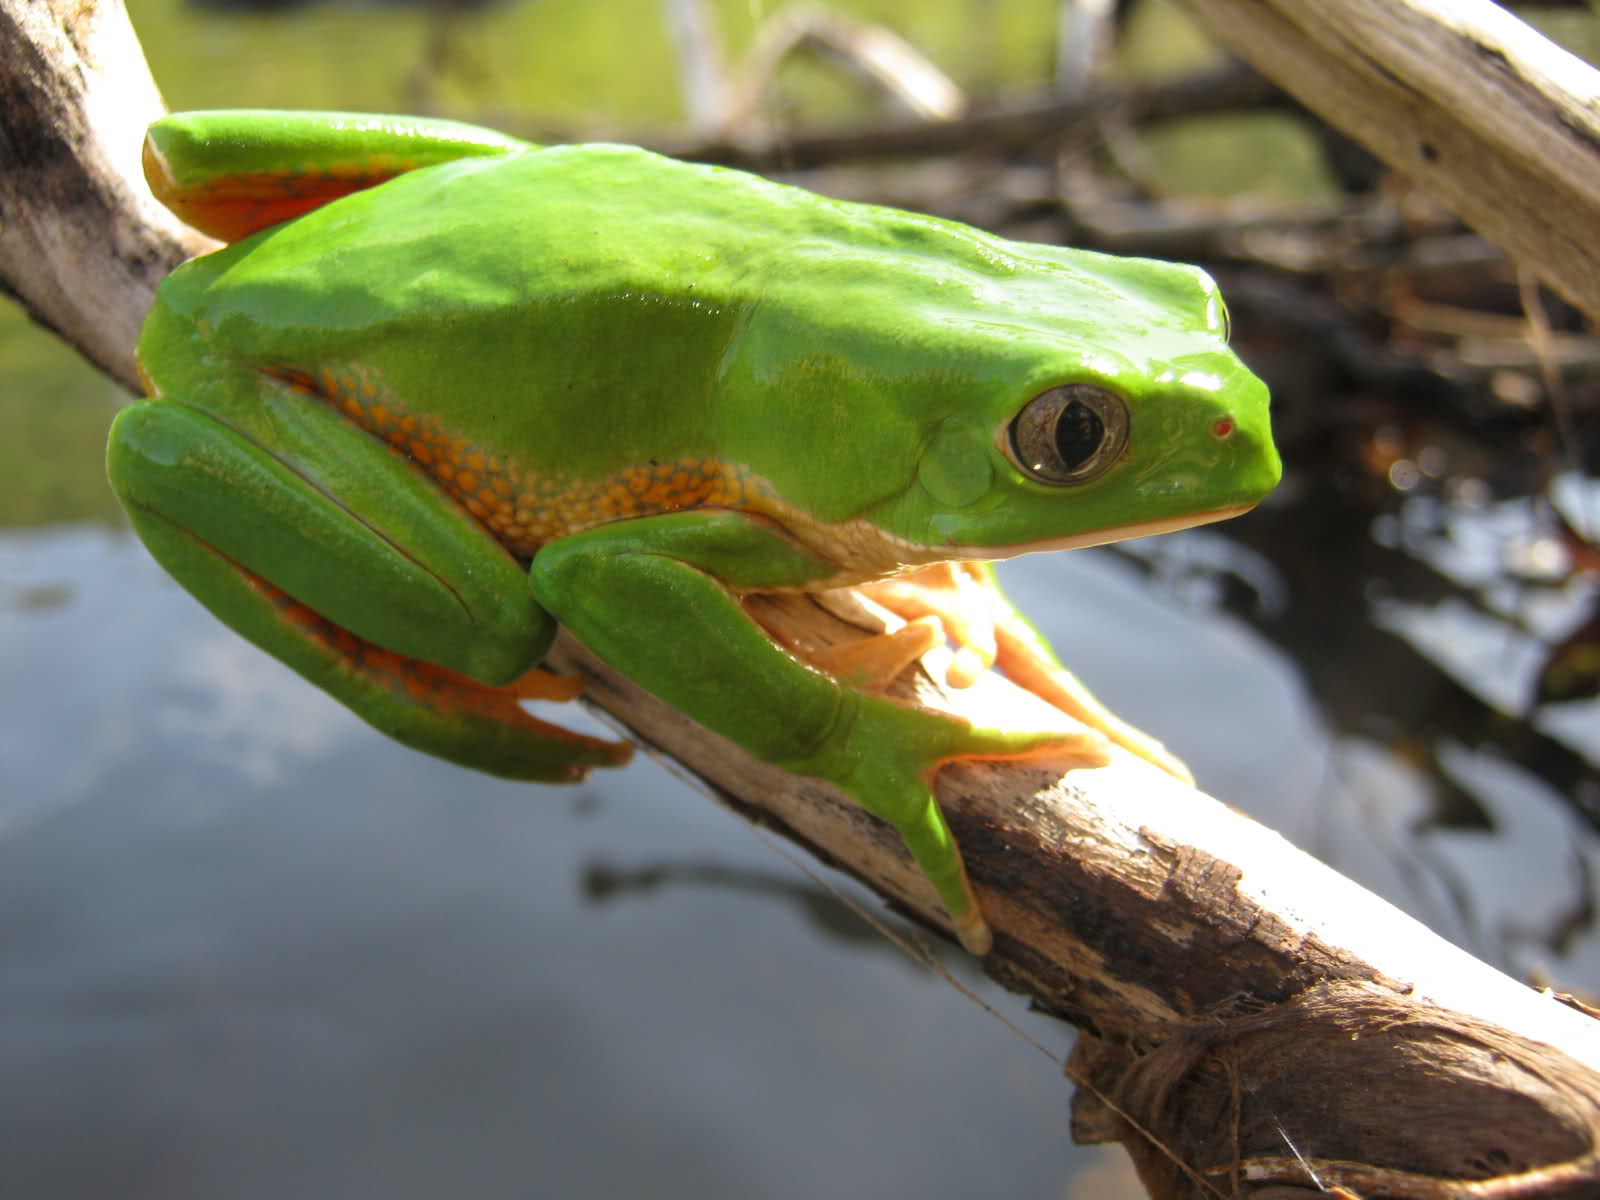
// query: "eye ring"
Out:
[1226,319]
[1069,435]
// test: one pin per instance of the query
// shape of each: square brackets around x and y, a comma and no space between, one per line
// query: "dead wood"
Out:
[991,128]
[1252,1023]
[1461,97]
[82,242]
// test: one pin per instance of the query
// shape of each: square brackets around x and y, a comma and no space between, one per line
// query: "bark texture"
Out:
[83,244]
[1459,96]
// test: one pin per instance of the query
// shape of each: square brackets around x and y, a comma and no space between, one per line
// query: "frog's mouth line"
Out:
[1099,537]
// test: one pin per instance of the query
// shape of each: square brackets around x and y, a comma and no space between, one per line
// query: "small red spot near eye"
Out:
[1223,427]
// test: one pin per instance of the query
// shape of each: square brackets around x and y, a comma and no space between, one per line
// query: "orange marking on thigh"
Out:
[435,687]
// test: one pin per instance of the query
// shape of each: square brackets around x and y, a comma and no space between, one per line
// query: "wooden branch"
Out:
[1494,119]
[82,242]
[1242,1005]
[872,53]
[1231,990]
[996,127]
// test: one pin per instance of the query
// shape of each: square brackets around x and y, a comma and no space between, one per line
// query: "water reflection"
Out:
[828,912]
[249,948]
[1416,623]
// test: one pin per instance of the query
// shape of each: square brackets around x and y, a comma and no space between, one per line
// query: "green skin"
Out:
[567,314]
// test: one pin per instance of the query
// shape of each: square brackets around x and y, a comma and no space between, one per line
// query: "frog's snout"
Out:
[1241,433]
[1257,469]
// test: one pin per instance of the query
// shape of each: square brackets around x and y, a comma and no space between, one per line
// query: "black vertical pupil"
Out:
[1079,433]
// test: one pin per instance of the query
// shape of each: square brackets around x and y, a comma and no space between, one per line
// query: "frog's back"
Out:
[607,228]
[594,311]
[598,288]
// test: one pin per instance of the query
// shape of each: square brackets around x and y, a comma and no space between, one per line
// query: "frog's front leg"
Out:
[333,553]
[976,615]
[658,598]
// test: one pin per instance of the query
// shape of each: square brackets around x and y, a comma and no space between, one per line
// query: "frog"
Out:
[444,392]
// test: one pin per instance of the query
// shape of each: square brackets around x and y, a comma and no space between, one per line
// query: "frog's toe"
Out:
[874,662]
[1028,664]
[539,684]
[965,668]
[960,598]
[972,931]
[1069,750]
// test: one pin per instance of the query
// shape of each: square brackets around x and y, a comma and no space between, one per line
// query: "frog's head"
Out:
[1140,425]
[1044,398]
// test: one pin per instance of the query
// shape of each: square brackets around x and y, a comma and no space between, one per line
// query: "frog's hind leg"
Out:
[232,172]
[337,556]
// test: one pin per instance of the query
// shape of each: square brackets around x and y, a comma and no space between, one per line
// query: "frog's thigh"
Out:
[338,520]
[336,557]
[425,707]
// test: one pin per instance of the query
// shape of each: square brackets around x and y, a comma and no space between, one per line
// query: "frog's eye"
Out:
[1069,435]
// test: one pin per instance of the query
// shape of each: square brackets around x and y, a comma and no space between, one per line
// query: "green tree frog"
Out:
[447,390]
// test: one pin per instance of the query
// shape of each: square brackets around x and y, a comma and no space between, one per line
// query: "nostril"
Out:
[1222,428]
